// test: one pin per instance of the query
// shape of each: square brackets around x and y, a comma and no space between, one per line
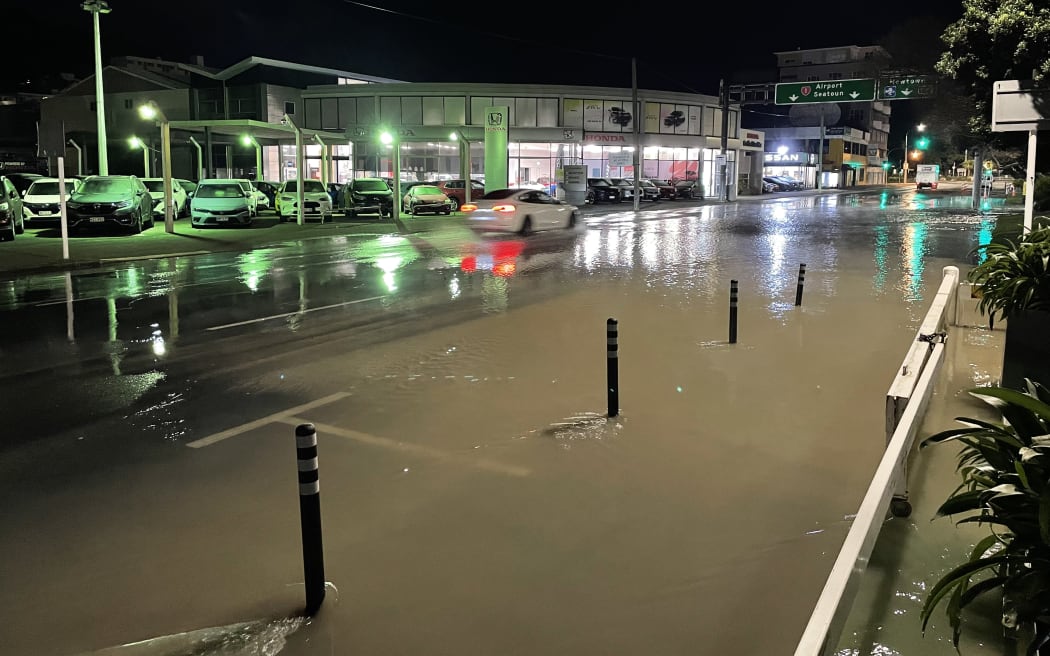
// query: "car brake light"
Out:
[469,207]
[503,208]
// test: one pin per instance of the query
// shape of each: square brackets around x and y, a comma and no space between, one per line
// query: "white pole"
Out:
[62,206]
[100,103]
[635,118]
[1029,191]
[905,158]
[395,210]
[70,333]
[200,159]
[165,164]
[145,160]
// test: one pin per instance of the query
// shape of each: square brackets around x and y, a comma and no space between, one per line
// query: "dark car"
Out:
[110,200]
[602,190]
[456,190]
[268,188]
[665,188]
[12,221]
[368,196]
[647,190]
[625,186]
[335,191]
[779,183]
[689,190]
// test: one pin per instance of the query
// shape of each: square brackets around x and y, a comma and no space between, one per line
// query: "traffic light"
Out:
[923,143]
[886,166]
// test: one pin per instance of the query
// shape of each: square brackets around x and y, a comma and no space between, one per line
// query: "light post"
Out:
[464,162]
[300,164]
[97,7]
[151,112]
[80,156]
[135,142]
[921,127]
[200,158]
[387,138]
[248,140]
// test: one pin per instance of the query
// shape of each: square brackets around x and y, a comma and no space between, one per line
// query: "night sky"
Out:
[680,46]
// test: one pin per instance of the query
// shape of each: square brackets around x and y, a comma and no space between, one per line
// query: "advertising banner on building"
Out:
[652,117]
[618,116]
[497,124]
[572,113]
[593,115]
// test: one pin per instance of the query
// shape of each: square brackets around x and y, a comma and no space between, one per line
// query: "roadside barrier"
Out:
[732,311]
[612,367]
[801,284]
[906,403]
[310,515]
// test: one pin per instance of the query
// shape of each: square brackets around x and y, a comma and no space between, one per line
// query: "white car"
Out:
[316,201]
[220,203]
[41,202]
[519,210]
[250,192]
[180,206]
[426,198]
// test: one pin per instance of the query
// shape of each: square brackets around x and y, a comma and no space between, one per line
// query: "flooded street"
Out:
[475,498]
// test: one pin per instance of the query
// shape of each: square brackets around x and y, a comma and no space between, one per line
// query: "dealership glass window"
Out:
[390,110]
[547,113]
[709,176]
[433,110]
[524,115]
[455,110]
[411,110]
[347,111]
[477,109]
[537,163]
[423,161]
[330,114]
[669,163]
[366,110]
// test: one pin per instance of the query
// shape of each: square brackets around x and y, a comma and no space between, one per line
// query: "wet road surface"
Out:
[474,496]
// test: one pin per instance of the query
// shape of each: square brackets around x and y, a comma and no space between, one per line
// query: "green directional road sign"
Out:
[824,91]
[907,87]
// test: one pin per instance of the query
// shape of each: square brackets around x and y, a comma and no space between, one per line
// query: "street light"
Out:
[152,112]
[97,7]
[387,138]
[248,140]
[921,127]
[135,142]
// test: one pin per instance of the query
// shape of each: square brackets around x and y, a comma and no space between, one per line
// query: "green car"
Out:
[120,201]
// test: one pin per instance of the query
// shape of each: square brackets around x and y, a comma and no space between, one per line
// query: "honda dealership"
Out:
[435,126]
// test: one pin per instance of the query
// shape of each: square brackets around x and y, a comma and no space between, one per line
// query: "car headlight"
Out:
[287,197]
[124,203]
[4,207]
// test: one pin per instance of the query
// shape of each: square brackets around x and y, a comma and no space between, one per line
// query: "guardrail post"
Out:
[801,284]
[310,515]
[612,366]
[732,311]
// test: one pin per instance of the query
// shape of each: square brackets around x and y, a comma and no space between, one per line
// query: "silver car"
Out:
[426,198]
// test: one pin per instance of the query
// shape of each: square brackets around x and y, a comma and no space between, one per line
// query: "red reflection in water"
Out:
[505,269]
[469,264]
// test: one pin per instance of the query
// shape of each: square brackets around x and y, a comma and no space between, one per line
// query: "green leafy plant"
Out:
[1013,276]
[1005,470]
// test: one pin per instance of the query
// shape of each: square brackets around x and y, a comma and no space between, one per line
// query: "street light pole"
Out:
[80,157]
[97,7]
[200,158]
[152,112]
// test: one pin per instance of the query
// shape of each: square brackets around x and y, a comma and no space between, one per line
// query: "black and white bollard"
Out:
[801,284]
[732,311]
[310,515]
[612,366]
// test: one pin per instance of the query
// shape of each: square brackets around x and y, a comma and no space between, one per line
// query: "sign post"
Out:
[497,124]
[1018,106]
[824,91]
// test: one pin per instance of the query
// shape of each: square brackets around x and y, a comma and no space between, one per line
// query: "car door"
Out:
[144,200]
[555,213]
[14,200]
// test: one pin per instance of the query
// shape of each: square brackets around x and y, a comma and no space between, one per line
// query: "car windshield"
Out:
[309,186]
[599,182]
[370,185]
[106,186]
[47,189]
[426,190]
[229,190]
[154,185]
[500,194]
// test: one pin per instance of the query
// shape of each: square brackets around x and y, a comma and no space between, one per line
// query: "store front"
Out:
[797,166]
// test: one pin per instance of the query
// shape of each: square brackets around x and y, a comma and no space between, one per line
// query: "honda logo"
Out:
[495,119]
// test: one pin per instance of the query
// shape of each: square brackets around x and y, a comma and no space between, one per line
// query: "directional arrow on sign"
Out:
[793,98]
[906,92]
[854,95]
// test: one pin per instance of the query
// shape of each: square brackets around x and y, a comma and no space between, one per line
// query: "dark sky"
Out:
[680,46]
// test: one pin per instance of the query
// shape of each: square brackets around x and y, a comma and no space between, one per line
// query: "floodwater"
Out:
[475,498]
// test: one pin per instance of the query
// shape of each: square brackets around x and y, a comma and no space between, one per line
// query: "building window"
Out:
[834,76]
[128,103]
[289,108]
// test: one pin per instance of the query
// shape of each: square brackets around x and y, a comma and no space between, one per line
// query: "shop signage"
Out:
[825,91]
[605,138]
[622,158]
[366,132]
[787,158]
[752,140]
[496,154]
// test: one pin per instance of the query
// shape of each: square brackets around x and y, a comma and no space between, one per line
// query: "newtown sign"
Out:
[824,91]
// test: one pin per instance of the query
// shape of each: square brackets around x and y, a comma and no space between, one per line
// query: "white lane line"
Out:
[292,314]
[412,449]
[269,419]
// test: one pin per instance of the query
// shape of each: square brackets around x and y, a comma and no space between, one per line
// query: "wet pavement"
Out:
[475,498]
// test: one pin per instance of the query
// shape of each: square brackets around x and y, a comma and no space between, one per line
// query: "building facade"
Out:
[550,127]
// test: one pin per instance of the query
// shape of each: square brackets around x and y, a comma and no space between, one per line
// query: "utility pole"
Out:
[97,7]
[723,91]
[637,133]
[820,152]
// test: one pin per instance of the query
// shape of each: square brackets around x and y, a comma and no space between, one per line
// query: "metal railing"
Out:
[906,403]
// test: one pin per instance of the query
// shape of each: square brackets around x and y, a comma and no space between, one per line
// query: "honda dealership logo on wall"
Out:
[495,119]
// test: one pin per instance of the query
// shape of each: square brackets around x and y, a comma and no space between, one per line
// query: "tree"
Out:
[996,40]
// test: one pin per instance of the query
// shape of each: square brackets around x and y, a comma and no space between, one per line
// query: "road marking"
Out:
[292,314]
[269,419]
[412,449]
[133,258]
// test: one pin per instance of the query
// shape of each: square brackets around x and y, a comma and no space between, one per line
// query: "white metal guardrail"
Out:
[906,404]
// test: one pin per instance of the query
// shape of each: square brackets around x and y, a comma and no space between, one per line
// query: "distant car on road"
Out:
[519,210]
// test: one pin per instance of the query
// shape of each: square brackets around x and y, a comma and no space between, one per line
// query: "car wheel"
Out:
[10,234]
[137,227]
[454,204]
[526,227]
[447,212]
[571,223]
[20,227]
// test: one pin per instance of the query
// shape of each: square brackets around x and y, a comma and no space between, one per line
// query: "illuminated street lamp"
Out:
[152,112]
[921,127]
[247,140]
[135,142]
[387,138]
[97,7]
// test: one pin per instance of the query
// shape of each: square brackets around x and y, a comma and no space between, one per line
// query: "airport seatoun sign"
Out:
[824,91]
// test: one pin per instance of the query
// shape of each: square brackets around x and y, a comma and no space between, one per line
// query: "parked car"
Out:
[188,186]
[368,196]
[315,200]
[12,221]
[519,210]
[179,201]
[41,204]
[252,193]
[221,203]
[110,200]
[334,189]
[426,198]
[625,186]
[456,190]
[781,183]
[270,189]
[665,188]
[689,190]
[648,191]
[22,181]
[602,190]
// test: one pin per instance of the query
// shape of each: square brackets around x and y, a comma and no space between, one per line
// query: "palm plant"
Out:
[1005,470]
[1013,277]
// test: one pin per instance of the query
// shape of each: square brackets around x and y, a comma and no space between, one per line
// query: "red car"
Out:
[456,191]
